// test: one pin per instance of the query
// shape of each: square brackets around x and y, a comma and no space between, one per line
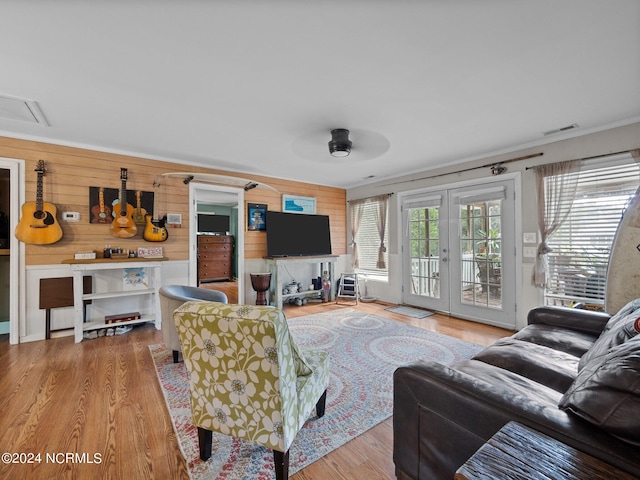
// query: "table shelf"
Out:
[304,293]
[99,325]
[123,293]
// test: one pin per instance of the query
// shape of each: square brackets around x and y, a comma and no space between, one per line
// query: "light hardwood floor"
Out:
[101,398]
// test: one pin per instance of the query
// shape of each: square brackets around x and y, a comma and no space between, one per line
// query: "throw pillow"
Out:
[618,330]
[631,307]
[607,392]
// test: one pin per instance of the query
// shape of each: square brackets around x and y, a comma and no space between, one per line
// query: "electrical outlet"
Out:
[529,252]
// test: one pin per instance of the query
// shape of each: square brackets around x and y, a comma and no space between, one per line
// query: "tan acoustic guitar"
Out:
[123,225]
[38,224]
[139,213]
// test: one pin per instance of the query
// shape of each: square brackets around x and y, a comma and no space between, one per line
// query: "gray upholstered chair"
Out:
[173,296]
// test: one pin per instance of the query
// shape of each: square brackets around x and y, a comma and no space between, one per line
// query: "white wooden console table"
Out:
[109,287]
[277,264]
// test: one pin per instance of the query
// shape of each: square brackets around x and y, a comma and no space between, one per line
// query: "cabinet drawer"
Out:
[214,247]
[215,267]
[214,239]
[214,257]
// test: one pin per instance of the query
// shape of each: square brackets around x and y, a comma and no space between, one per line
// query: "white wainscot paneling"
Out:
[175,272]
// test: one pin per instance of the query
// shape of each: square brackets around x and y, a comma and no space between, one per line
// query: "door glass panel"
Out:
[424,241]
[481,253]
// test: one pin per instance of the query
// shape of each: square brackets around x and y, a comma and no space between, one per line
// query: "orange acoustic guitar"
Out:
[101,213]
[38,224]
[123,225]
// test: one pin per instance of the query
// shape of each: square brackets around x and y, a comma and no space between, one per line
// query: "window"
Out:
[366,225]
[580,247]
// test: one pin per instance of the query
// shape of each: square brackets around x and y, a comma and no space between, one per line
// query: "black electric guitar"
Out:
[155,230]
[123,225]
[38,224]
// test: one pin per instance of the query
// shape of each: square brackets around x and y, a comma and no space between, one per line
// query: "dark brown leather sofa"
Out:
[571,374]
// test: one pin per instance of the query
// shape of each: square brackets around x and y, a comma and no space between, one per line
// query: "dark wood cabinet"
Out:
[215,257]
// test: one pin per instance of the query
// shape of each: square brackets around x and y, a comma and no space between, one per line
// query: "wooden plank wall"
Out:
[71,171]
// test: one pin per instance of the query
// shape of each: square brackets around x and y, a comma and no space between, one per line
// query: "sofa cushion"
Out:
[618,330]
[573,342]
[544,365]
[606,392]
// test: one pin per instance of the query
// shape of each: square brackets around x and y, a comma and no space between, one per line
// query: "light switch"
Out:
[71,216]
[529,237]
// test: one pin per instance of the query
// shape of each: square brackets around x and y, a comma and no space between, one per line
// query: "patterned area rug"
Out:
[410,311]
[364,351]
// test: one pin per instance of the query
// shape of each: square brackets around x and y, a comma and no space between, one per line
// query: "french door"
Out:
[459,251]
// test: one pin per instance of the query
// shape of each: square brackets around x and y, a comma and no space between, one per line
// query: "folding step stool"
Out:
[348,287]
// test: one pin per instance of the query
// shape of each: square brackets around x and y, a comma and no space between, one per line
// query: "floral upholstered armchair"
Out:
[247,377]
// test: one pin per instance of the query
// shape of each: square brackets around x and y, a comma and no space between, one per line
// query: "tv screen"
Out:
[213,223]
[297,234]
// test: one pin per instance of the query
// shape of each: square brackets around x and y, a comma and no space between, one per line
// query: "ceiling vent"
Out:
[13,108]
[561,130]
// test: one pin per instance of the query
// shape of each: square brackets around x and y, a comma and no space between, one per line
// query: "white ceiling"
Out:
[256,86]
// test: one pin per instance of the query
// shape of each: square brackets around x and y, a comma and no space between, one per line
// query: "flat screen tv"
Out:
[297,234]
[213,223]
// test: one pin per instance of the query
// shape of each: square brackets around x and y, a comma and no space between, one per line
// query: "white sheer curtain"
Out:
[356,207]
[554,204]
[382,202]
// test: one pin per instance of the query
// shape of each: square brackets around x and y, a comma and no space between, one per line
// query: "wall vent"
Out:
[561,130]
[14,108]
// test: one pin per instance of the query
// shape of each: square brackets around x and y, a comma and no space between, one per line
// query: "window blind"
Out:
[580,247]
[368,242]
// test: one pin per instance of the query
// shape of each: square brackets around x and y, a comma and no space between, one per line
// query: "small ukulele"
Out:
[101,212]
[139,213]
[155,230]
[123,225]
[38,224]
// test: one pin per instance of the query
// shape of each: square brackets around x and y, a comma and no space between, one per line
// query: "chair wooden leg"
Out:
[176,354]
[281,462]
[205,440]
[321,404]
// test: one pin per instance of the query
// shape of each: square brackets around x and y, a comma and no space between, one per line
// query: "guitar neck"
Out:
[123,198]
[39,201]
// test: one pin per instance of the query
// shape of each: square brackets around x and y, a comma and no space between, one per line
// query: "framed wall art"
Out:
[103,202]
[297,204]
[256,217]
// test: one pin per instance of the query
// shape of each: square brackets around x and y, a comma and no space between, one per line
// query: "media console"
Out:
[278,264]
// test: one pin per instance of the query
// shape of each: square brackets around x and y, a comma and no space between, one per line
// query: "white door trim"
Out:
[196,191]
[17,295]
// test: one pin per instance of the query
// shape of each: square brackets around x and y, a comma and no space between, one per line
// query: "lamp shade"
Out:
[340,145]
